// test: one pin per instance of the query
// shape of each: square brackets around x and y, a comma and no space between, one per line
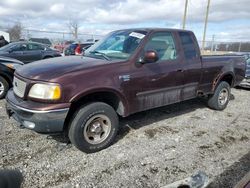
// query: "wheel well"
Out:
[7,79]
[228,78]
[106,97]
[47,56]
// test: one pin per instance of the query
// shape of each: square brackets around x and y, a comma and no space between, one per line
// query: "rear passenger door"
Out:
[34,52]
[192,65]
[159,83]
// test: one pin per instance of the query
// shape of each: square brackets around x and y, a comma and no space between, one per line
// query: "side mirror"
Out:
[10,50]
[150,56]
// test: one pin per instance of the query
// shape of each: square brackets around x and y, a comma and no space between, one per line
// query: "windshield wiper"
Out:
[101,54]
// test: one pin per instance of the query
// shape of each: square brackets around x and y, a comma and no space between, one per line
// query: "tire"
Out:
[4,87]
[93,127]
[221,96]
[47,57]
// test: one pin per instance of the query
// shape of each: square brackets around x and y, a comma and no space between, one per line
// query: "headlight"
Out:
[13,66]
[45,91]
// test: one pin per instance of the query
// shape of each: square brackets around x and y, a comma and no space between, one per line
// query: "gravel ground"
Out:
[153,148]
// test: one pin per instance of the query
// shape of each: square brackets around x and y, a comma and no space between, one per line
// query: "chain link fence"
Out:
[59,36]
[220,47]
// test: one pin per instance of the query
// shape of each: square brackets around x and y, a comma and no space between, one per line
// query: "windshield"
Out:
[117,45]
[6,47]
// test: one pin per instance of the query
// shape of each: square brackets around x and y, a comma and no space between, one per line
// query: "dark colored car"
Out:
[126,72]
[7,68]
[42,41]
[28,51]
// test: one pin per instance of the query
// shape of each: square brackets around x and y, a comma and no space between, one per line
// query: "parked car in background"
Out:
[28,51]
[82,96]
[76,48]
[61,46]
[246,82]
[45,41]
[7,68]
[85,48]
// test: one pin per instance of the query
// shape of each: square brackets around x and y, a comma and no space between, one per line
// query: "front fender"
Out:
[117,93]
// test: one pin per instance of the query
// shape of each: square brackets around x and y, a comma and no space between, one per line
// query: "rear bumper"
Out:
[41,121]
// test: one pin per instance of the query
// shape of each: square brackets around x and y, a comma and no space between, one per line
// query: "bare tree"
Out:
[73,28]
[15,32]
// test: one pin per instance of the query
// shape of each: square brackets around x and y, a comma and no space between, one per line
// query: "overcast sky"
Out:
[228,19]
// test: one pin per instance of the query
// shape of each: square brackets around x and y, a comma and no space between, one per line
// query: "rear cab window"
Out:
[188,45]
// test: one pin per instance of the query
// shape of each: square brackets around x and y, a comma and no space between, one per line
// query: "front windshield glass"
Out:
[117,45]
[6,47]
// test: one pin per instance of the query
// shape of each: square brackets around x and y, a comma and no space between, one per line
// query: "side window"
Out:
[19,47]
[163,44]
[35,47]
[188,44]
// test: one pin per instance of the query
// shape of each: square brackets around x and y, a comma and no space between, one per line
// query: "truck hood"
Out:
[9,60]
[48,69]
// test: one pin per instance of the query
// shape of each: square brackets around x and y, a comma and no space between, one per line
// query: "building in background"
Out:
[6,35]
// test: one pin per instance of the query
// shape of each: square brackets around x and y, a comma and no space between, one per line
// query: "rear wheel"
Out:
[221,97]
[93,127]
[4,87]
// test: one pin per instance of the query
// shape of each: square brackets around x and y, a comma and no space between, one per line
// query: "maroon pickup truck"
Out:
[128,71]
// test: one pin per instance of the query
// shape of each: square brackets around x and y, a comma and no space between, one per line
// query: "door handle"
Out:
[180,70]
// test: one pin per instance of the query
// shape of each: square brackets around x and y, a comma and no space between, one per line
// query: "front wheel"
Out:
[93,127]
[4,87]
[221,96]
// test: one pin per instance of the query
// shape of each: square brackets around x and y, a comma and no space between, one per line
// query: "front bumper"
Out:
[41,121]
[245,83]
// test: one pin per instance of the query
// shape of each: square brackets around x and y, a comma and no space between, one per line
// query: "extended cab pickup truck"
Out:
[128,71]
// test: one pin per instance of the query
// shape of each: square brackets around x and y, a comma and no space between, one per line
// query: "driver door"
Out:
[159,83]
[18,52]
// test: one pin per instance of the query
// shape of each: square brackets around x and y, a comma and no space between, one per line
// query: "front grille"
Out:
[19,87]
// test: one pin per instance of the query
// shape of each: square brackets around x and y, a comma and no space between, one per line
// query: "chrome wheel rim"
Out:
[1,88]
[97,129]
[223,96]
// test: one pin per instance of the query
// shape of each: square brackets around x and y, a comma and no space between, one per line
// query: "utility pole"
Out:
[185,15]
[239,47]
[205,27]
[212,43]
